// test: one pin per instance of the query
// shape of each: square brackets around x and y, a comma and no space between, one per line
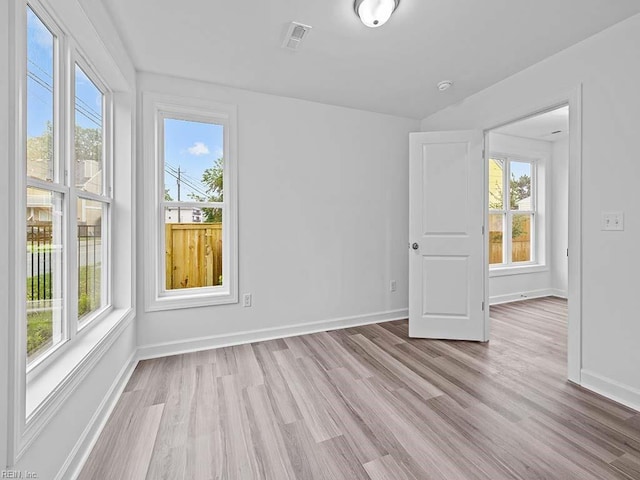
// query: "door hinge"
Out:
[567,252]
[483,306]
[482,229]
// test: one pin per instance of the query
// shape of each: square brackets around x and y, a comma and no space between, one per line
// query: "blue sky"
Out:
[518,169]
[193,147]
[40,83]
[40,79]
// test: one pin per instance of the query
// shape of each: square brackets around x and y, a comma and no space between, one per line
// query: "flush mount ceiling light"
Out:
[375,13]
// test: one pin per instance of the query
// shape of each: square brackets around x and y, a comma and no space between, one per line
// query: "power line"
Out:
[196,189]
[81,106]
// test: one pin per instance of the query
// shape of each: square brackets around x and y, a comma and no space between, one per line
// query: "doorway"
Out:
[449,294]
[528,222]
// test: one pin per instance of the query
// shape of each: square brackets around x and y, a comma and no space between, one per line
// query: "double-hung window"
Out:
[190,145]
[512,211]
[67,190]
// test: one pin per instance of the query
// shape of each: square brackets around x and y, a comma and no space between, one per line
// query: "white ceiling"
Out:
[392,69]
[541,127]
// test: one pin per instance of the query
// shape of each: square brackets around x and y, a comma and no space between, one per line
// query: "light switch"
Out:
[613,221]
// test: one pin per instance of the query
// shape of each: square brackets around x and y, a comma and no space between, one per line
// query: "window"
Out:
[193,204]
[68,194]
[191,147]
[512,212]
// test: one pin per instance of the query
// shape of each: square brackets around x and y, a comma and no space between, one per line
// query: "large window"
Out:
[190,144]
[512,211]
[68,194]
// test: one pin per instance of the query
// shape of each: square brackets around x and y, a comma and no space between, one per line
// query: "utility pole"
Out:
[179,217]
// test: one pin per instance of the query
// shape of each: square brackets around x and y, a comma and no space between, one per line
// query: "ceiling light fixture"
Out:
[375,13]
[445,85]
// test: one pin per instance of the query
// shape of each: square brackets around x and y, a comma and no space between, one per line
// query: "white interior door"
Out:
[446,234]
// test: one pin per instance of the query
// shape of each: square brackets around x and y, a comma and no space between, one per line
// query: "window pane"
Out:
[520,186]
[496,238]
[521,238]
[193,245]
[44,271]
[193,163]
[88,148]
[91,276]
[40,88]
[496,184]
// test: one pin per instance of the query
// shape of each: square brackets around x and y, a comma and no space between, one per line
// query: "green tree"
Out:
[167,196]
[88,144]
[519,189]
[212,179]
[41,147]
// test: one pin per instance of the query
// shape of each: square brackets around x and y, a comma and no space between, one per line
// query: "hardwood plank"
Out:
[267,438]
[307,398]
[628,465]
[137,463]
[386,468]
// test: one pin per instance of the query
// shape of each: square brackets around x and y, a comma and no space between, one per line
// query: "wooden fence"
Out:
[193,255]
[521,250]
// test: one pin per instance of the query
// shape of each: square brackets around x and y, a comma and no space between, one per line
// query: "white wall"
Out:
[323,219]
[559,216]
[70,430]
[608,68]
[503,288]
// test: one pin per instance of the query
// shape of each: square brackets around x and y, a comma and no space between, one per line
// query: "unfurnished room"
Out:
[342,239]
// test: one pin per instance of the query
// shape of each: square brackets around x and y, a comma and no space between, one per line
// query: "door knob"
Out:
[415,246]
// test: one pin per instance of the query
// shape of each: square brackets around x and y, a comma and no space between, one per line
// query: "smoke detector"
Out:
[296,33]
[445,85]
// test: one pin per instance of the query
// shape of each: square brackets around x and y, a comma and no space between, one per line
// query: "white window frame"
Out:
[106,197]
[66,55]
[507,214]
[157,108]
[35,398]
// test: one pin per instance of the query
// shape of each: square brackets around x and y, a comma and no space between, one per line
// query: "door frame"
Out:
[573,98]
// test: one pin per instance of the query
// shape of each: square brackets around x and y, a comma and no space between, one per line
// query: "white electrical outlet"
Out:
[613,221]
[393,285]
[246,300]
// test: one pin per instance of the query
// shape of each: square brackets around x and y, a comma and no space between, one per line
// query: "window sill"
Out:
[176,302]
[517,270]
[52,385]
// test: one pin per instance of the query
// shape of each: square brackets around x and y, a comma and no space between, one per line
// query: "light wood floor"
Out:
[368,402]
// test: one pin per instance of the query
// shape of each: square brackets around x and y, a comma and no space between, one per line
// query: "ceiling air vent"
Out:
[296,33]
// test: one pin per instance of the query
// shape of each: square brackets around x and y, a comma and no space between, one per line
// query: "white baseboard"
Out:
[518,296]
[78,456]
[611,389]
[560,293]
[226,340]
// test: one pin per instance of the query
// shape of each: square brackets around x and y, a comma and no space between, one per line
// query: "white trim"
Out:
[574,99]
[62,390]
[225,340]
[80,453]
[611,389]
[515,269]
[155,107]
[519,296]
[559,293]
[574,344]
